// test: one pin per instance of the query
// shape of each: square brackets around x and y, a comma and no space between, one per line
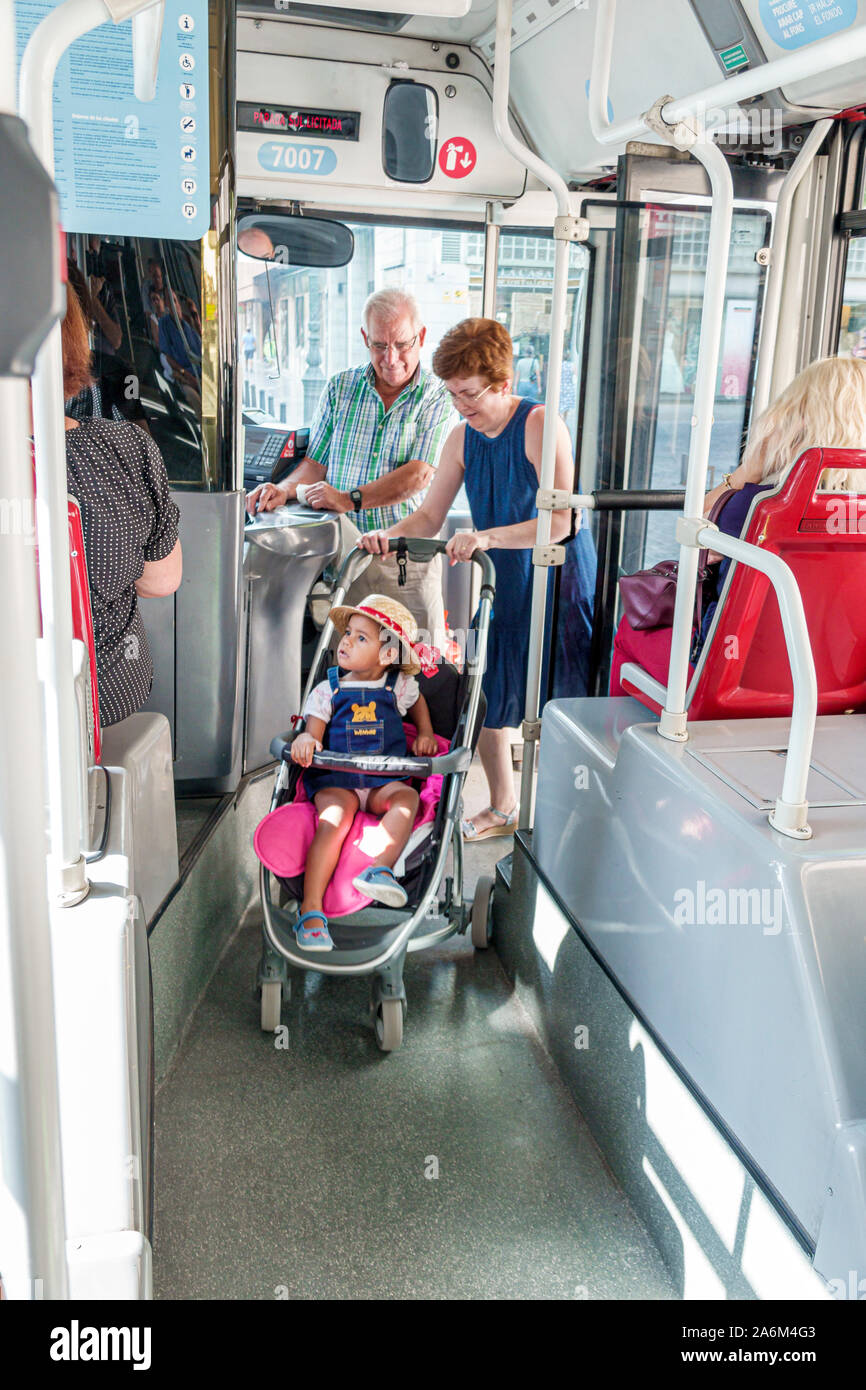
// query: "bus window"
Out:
[297,327]
[524,285]
[852,320]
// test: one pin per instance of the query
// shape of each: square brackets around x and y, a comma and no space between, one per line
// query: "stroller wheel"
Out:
[482,914]
[272,999]
[388,1023]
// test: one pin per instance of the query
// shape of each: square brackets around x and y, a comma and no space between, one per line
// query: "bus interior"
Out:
[634,1059]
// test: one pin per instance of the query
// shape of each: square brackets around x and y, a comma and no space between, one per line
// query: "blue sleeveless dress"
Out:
[501,485]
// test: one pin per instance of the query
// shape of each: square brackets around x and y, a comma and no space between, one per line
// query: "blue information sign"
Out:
[794,23]
[125,167]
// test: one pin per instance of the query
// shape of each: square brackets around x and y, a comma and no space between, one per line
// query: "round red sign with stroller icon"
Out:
[457,157]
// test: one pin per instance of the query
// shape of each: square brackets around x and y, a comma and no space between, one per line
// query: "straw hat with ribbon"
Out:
[390,614]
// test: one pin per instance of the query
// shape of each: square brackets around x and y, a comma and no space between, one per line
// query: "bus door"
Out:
[642,331]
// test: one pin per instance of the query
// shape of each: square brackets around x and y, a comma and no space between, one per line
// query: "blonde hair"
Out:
[824,406]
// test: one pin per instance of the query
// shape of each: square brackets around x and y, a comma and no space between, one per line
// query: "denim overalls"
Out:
[364,720]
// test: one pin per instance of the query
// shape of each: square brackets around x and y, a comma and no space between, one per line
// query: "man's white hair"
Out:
[387,305]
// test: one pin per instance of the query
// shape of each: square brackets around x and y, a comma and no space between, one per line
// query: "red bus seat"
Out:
[743,670]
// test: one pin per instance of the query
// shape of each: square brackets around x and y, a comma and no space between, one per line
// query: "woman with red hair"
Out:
[496,455]
[117,475]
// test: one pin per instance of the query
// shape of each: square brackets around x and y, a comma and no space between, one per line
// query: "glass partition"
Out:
[668,270]
[141,299]
[651,332]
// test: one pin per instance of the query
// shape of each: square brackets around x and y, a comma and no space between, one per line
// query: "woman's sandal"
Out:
[311,938]
[472,834]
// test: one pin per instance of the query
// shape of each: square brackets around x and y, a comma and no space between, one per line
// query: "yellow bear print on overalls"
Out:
[374,728]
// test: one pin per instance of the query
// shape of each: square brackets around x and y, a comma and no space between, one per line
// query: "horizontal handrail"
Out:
[613,500]
[457,760]
[636,675]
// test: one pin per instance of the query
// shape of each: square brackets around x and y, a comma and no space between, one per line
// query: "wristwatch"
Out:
[356,499]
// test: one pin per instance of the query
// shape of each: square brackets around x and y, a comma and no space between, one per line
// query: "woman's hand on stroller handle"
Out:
[374,542]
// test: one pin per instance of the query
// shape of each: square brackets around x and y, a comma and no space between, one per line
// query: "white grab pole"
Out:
[778,259]
[599,75]
[556,184]
[32,1218]
[501,123]
[672,723]
[47,45]
[540,573]
[31,1179]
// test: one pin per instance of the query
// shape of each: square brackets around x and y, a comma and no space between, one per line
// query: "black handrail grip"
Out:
[639,499]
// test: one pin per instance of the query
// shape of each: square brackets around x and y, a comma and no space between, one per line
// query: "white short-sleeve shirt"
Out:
[320,703]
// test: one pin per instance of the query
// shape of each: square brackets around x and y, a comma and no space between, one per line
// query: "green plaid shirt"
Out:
[356,441]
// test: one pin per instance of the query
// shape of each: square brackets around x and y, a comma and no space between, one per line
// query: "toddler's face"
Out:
[361,648]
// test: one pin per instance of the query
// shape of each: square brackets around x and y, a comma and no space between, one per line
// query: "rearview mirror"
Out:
[284,238]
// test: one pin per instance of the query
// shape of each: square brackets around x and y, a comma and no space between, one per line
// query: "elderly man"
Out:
[374,444]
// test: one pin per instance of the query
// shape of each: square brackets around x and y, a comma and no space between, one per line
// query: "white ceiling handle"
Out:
[146,37]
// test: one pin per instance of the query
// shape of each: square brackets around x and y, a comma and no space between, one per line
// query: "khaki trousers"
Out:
[421,594]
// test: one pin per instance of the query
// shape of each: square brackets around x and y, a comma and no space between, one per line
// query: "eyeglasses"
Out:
[398,347]
[467,397]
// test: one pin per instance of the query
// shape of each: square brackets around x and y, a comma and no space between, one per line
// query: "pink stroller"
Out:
[370,939]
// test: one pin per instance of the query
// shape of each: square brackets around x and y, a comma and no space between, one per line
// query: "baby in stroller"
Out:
[359,710]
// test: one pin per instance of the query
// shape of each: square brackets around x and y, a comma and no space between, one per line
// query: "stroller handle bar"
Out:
[458,760]
[418,548]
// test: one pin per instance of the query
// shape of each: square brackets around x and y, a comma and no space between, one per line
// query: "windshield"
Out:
[297,327]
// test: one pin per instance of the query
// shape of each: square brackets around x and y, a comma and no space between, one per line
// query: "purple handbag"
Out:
[648,597]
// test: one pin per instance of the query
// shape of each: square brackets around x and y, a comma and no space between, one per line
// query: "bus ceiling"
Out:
[307,55]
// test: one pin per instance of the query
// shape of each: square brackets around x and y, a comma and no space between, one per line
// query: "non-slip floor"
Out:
[457,1167]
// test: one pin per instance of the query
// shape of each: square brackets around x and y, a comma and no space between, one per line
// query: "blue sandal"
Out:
[379,883]
[311,938]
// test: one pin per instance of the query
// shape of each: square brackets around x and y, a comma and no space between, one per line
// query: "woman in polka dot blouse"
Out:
[117,475]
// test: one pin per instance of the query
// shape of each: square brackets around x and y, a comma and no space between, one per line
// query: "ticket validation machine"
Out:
[285,551]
